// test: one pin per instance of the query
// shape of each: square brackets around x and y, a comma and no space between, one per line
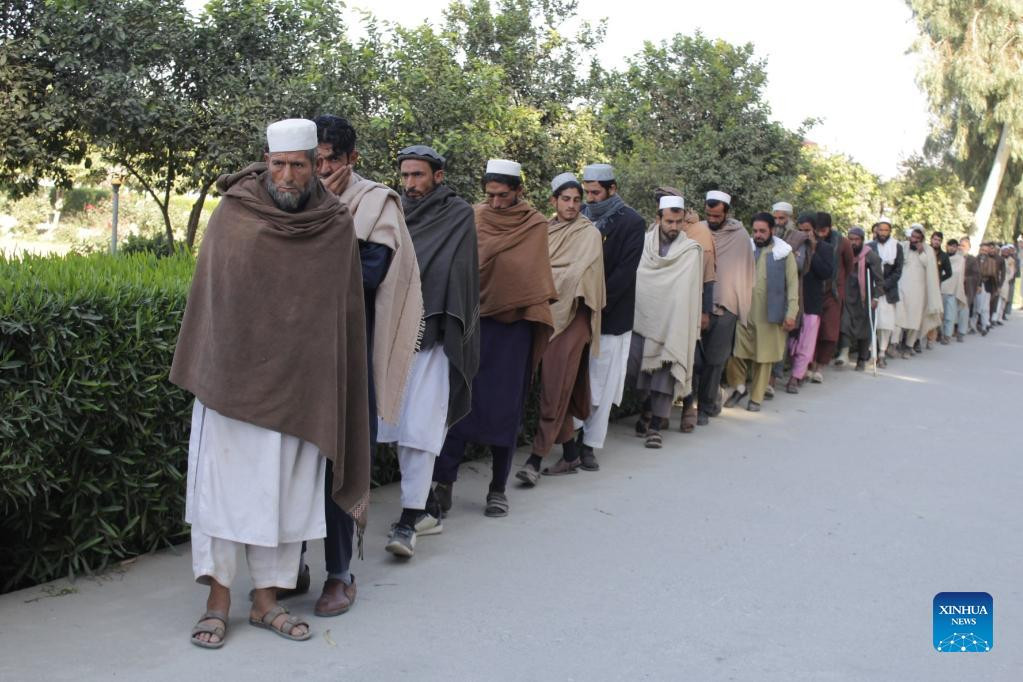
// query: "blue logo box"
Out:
[963,622]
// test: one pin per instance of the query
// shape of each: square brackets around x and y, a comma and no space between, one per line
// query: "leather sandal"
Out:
[285,628]
[497,505]
[689,418]
[217,630]
[562,467]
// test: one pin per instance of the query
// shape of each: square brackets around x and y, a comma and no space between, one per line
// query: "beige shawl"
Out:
[956,284]
[376,210]
[668,293]
[733,257]
[577,263]
[934,309]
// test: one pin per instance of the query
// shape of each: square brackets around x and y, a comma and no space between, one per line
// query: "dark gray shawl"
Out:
[443,229]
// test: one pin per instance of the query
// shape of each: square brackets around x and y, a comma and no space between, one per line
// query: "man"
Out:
[988,269]
[280,386]
[668,291]
[953,296]
[863,288]
[892,259]
[818,264]
[944,271]
[971,280]
[909,314]
[622,230]
[701,233]
[516,293]
[443,231]
[732,294]
[783,223]
[1008,254]
[577,262]
[393,302]
[834,295]
[760,341]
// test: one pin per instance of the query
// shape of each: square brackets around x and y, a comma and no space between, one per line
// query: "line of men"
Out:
[329,313]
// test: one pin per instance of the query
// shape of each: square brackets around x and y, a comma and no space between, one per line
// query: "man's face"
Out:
[951,249]
[716,214]
[823,232]
[781,219]
[500,195]
[761,233]
[596,192]
[964,245]
[567,204]
[915,240]
[936,242]
[884,231]
[671,222]
[805,227]
[856,241]
[327,163]
[291,178]
[418,178]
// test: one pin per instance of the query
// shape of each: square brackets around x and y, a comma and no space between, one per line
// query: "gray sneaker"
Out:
[402,541]
[428,524]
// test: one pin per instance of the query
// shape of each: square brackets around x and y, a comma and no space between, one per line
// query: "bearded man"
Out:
[784,225]
[577,263]
[862,291]
[909,313]
[438,394]
[280,386]
[892,259]
[834,295]
[953,295]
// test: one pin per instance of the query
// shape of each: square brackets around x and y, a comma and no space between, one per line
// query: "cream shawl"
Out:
[668,293]
[956,284]
[934,309]
[577,262]
[376,210]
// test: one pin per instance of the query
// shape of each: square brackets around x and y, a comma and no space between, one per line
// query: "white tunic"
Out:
[424,407]
[252,485]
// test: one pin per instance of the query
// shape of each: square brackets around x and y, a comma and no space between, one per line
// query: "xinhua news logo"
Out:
[963,622]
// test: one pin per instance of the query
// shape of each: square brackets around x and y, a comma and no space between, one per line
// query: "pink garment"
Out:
[801,348]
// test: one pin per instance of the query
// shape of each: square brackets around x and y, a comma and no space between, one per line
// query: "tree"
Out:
[838,185]
[692,112]
[974,58]
[931,194]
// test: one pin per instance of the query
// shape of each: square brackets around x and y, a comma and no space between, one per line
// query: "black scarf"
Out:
[600,213]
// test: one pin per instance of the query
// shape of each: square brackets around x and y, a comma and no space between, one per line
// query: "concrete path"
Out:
[803,543]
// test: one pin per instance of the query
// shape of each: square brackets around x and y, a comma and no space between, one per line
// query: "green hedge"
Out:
[93,436]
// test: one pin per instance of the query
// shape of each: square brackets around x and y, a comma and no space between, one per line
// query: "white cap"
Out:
[562,179]
[671,202]
[504,167]
[884,219]
[916,226]
[715,195]
[291,135]
[598,172]
[782,206]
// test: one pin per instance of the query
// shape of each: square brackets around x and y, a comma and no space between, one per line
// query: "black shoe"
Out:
[587,460]
[702,419]
[736,396]
[861,365]
[442,491]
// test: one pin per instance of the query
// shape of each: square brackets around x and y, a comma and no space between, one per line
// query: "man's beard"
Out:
[288,201]
[883,239]
[715,226]
[761,243]
[857,249]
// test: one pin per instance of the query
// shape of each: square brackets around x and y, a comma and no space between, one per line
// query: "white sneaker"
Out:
[427,524]
[816,377]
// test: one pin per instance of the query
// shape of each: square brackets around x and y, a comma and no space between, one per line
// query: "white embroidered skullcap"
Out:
[598,172]
[671,202]
[715,195]
[562,180]
[291,135]
[782,206]
[504,167]
[884,219]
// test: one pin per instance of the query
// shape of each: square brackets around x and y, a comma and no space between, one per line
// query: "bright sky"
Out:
[845,63]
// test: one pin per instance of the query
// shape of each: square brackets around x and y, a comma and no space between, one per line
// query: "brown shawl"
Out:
[577,262]
[733,288]
[701,234]
[376,210]
[274,332]
[516,282]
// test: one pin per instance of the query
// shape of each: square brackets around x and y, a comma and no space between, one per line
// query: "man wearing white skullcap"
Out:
[667,324]
[622,230]
[783,226]
[273,402]
[516,293]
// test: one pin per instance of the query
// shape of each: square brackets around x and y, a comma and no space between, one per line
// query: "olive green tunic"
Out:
[760,340]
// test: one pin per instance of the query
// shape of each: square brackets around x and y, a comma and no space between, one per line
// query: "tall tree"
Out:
[839,185]
[973,60]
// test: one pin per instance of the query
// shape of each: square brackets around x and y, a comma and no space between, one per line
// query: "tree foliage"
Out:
[837,184]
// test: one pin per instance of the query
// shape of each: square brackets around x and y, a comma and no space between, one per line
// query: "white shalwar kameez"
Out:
[422,424]
[254,488]
[607,384]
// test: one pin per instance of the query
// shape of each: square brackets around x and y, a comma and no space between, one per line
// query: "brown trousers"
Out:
[564,384]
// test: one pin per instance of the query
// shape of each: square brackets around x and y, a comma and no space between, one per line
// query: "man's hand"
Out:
[704,321]
[789,324]
[873,304]
[338,181]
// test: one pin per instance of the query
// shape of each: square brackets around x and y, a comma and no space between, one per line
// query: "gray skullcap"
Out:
[562,180]
[598,172]
[422,153]
[858,231]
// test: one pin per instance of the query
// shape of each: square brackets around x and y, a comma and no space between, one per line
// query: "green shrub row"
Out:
[93,436]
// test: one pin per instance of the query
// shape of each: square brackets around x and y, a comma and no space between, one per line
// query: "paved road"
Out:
[803,543]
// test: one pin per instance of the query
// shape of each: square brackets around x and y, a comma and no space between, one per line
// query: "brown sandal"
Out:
[285,628]
[689,417]
[216,630]
[562,467]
